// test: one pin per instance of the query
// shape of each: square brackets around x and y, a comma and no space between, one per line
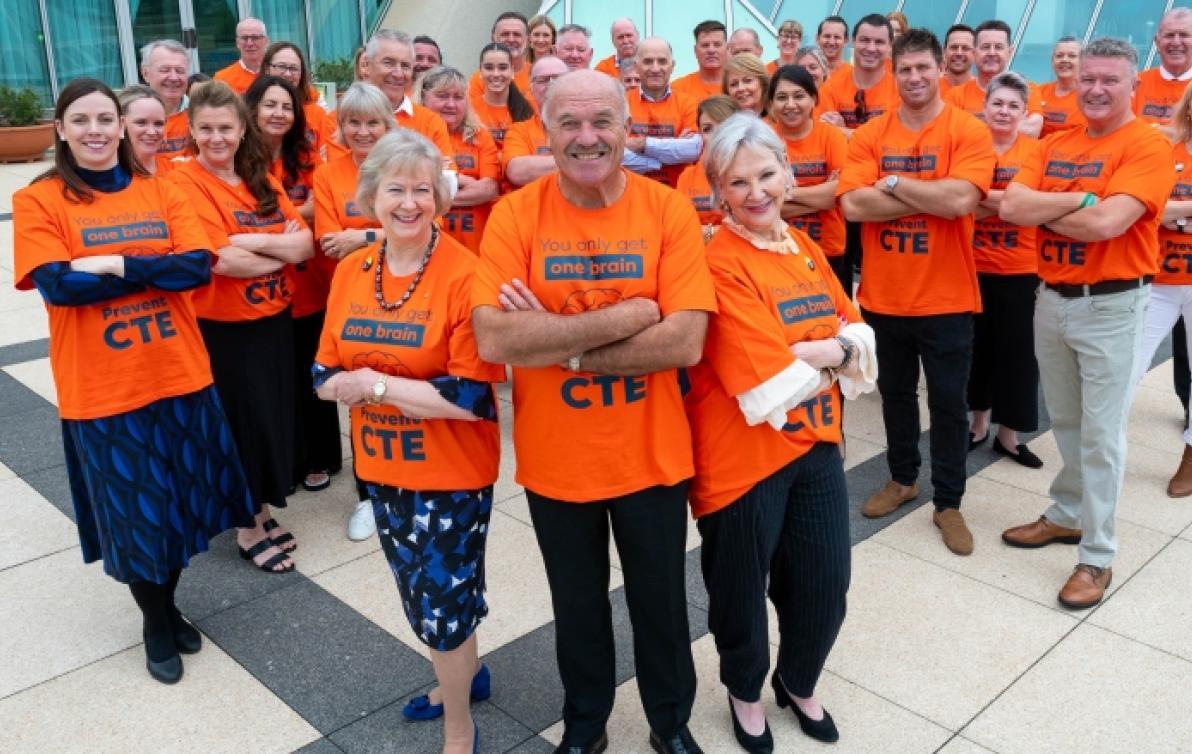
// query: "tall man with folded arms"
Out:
[711,53]
[1097,195]
[913,178]
[625,38]
[993,55]
[251,40]
[865,89]
[165,66]
[664,132]
[592,284]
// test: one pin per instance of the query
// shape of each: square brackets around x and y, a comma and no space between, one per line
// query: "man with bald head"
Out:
[745,40]
[526,155]
[625,39]
[251,40]
[664,135]
[592,284]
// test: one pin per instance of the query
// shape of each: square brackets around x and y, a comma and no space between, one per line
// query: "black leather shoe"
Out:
[974,443]
[187,638]
[823,729]
[167,671]
[680,743]
[759,744]
[1022,455]
[596,747]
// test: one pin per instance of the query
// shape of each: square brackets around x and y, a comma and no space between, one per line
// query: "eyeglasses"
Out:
[250,37]
[284,68]
[860,112]
[789,37]
[540,80]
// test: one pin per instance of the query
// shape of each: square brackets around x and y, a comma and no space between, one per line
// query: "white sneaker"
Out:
[362,525]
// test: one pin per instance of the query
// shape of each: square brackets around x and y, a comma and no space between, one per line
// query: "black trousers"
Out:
[944,342]
[316,422]
[1179,361]
[842,267]
[790,529]
[1005,376]
[650,529]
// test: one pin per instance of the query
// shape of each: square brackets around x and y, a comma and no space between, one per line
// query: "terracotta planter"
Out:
[25,143]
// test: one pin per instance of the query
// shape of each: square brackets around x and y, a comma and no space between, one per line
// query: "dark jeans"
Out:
[1179,363]
[650,528]
[944,342]
[316,422]
[842,267]
[790,529]
[1004,376]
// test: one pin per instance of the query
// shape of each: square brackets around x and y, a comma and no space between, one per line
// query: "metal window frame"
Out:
[1150,56]
[1088,32]
[48,42]
[1019,32]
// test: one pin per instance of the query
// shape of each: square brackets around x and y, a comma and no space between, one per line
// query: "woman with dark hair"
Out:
[285,60]
[817,152]
[244,315]
[153,468]
[317,451]
[195,79]
[501,104]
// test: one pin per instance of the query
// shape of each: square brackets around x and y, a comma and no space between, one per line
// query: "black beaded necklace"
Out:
[379,285]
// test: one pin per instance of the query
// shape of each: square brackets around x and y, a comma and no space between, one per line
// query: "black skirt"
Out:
[252,362]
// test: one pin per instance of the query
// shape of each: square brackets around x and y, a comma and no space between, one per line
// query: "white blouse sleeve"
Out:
[865,381]
[769,401]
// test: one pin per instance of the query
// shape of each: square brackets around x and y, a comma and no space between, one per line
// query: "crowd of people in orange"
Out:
[667,266]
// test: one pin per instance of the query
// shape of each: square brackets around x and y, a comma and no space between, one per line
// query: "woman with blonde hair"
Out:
[746,81]
[145,126]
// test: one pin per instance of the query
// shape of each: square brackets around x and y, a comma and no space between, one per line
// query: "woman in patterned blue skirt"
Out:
[153,469]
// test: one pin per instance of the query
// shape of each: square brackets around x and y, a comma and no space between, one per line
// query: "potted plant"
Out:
[23,134]
[337,71]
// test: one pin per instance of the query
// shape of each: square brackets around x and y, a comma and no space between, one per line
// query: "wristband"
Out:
[1089,200]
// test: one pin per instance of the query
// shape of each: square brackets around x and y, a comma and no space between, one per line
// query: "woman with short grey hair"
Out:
[769,493]
[398,349]
[812,58]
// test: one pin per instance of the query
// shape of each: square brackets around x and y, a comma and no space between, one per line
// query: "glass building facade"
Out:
[1037,23]
[46,43]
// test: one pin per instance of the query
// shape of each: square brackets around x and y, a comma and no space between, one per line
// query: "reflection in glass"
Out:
[85,40]
[1049,22]
[22,49]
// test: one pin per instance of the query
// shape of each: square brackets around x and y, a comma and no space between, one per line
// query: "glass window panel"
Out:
[1009,11]
[215,27]
[22,49]
[677,27]
[598,18]
[1049,22]
[85,40]
[152,20]
[372,9]
[936,15]
[1134,22]
[336,26]
[808,13]
[285,21]
[743,19]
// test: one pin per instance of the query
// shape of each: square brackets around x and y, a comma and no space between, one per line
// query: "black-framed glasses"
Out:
[286,68]
[860,112]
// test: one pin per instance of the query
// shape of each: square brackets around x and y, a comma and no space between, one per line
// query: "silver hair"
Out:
[1015,82]
[362,98]
[739,131]
[543,59]
[1111,47]
[1175,14]
[814,52]
[567,28]
[246,19]
[616,88]
[389,35]
[612,28]
[172,45]
[401,151]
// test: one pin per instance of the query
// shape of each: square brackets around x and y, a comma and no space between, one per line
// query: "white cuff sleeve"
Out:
[865,380]
[769,401]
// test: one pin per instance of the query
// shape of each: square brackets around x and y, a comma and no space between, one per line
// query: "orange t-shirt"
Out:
[693,184]
[125,353]
[767,302]
[839,94]
[1134,160]
[813,159]
[919,264]
[667,119]
[177,136]
[311,281]
[497,119]
[970,97]
[431,336]
[236,76]
[695,88]
[1175,249]
[998,246]
[335,206]
[524,139]
[428,123]
[1059,113]
[477,159]
[584,437]
[224,211]
[609,67]
[520,78]
[320,130]
[1155,97]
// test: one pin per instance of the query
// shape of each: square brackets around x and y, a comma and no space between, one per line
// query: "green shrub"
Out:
[19,108]
[338,70]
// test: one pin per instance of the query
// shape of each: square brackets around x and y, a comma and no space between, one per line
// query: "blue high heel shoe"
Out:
[420,708]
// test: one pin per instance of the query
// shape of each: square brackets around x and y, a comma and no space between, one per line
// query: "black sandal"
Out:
[306,485]
[280,540]
[268,566]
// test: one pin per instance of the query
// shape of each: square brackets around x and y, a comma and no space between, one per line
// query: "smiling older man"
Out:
[389,57]
[252,41]
[592,284]
[165,66]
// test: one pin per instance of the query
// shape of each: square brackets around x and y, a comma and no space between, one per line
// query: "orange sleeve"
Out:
[836,148]
[746,345]
[1147,175]
[488,160]
[517,144]
[502,256]
[205,208]
[1030,172]
[326,219]
[186,230]
[1034,103]
[689,109]
[284,205]
[683,278]
[973,158]
[955,96]
[37,235]
[861,165]
[436,131]
[463,357]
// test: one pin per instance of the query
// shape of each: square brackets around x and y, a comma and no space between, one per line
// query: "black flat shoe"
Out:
[974,443]
[187,638]
[596,747]
[759,744]
[1023,456]
[680,743]
[823,729]
[167,671]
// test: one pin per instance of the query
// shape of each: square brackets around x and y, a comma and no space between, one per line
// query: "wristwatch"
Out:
[379,387]
[850,352]
[573,362]
[891,182]
[1181,223]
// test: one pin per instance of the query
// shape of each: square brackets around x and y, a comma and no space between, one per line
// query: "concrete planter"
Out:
[25,143]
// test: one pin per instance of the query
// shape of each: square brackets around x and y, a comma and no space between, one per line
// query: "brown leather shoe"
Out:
[1085,587]
[957,536]
[886,500]
[1181,484]
[1039,534]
